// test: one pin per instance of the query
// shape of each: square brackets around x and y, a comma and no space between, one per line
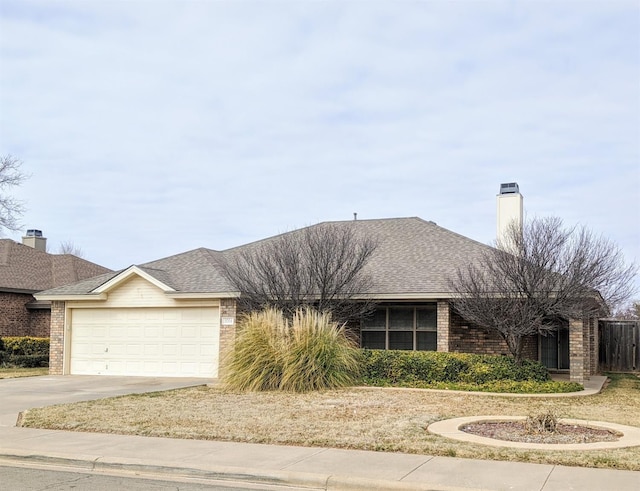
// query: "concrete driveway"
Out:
[18,394]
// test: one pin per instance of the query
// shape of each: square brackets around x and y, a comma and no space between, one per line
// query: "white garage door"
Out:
[167,342]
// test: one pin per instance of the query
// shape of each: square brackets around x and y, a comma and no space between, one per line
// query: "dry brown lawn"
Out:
[392,420]
[13,372]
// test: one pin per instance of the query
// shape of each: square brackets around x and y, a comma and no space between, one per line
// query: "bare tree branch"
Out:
[629,312]
[68,247]
[10,209]
[539,274]
[320,265]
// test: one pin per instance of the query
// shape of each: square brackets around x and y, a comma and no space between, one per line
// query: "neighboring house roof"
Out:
[413,258]
[27,270]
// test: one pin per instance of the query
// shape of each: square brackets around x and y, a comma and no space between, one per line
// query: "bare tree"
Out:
[68,247]
[630,311]
[539,274]
[10,175]
[320,266]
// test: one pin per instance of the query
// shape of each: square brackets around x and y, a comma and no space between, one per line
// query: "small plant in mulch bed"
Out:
[542,423]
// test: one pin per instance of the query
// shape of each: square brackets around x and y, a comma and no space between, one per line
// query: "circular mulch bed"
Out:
[515,431]
[508,431]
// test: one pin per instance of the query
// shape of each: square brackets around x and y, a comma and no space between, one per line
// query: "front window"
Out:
[401,328]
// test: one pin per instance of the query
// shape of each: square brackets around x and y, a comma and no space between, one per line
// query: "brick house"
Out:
[26,269]
[176,316]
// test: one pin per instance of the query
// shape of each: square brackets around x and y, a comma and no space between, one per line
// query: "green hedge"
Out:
[24,351]
[409,367]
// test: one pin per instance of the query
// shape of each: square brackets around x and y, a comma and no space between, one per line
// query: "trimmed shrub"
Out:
[309,353]
[28,361]
[25,351]
[410,367]
[26,345]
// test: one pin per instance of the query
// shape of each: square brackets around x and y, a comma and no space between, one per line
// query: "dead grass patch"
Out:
[371,419]
[14,372]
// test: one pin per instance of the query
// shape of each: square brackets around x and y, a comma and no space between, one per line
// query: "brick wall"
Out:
[39,323]
[590,340]
[443,335]
[468,338]
[17,320]
[576,351]
[56,348]
[227,332]
[14,316]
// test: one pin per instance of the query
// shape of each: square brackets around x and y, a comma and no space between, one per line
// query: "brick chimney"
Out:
[35,239]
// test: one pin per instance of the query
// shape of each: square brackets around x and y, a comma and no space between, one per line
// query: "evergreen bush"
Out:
[25,351]
[391,367]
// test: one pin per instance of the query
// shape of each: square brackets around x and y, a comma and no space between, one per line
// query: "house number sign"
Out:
[228,321]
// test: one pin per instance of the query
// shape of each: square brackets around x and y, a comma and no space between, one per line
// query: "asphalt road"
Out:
[39,478]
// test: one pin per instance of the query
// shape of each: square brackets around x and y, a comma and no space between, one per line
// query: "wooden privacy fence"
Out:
[619,345]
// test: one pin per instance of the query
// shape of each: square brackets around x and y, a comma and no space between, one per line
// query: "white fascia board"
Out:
[404,296]
[62,297]
[195,295]
[128,273]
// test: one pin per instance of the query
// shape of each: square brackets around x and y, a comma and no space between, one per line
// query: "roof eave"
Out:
[128,273]
[56,297]
[8,289]
[405,296]
[197,295]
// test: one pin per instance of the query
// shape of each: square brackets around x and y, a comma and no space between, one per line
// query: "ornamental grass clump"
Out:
[257,360]
[309,352]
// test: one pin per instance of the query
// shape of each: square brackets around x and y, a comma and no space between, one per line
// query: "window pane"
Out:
[377,320]
[373,339]
[427,317]
[427,341]
[401,340]
[563,348]
[401,318]
[549,350]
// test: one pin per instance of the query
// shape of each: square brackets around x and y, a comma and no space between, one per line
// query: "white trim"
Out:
[76,296]
[404,296]
[128,273]
[196,295]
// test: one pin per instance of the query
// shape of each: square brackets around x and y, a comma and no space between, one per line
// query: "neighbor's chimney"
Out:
[35,239]
[509,210]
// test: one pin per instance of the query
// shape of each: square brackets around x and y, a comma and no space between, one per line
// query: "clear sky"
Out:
[151,128]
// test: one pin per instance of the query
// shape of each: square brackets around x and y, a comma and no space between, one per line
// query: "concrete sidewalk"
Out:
[293,467]
[299,467]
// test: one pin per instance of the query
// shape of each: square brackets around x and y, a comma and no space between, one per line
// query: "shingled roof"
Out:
[28,270]
[413,258]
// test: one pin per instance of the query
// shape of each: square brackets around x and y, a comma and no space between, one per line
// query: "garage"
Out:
[167,342]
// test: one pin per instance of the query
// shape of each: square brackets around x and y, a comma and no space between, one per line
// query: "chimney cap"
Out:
[32,232]
[509,188]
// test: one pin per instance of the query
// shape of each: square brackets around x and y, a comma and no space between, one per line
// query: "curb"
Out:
[311,481]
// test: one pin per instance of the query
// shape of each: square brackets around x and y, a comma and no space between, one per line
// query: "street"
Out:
[21,477]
